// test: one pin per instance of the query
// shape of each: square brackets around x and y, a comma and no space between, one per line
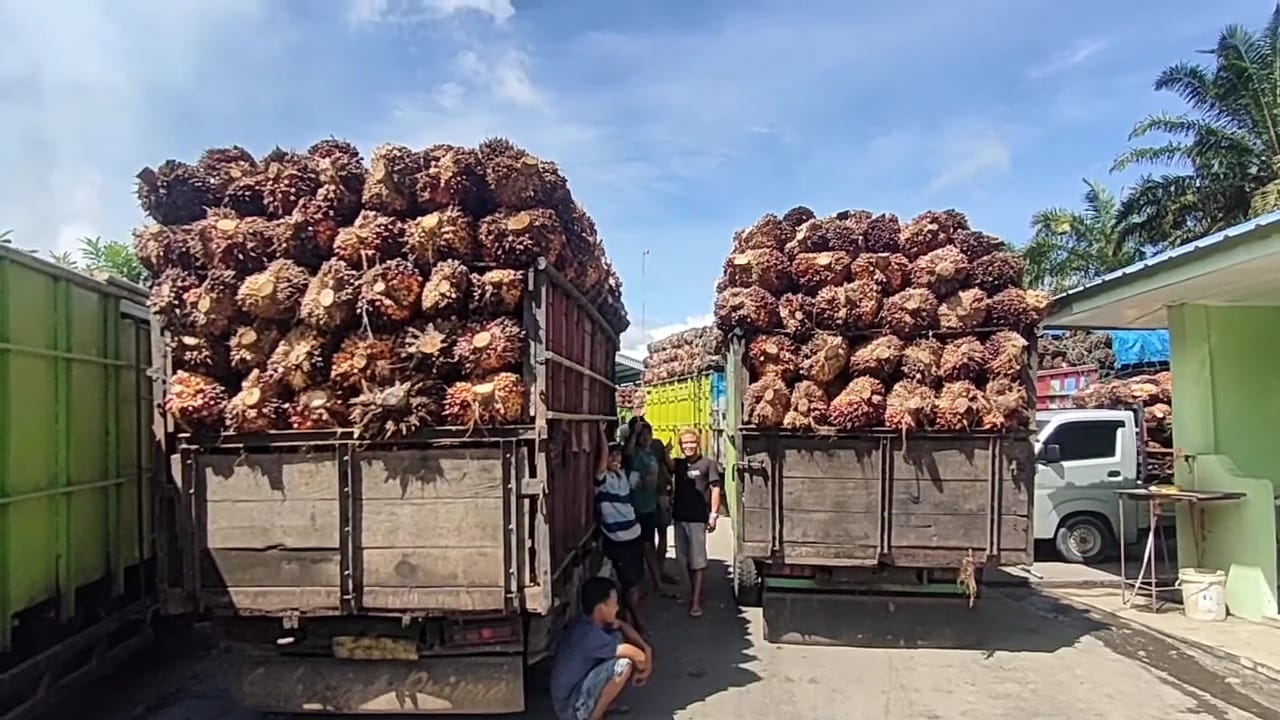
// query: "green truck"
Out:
[76,459]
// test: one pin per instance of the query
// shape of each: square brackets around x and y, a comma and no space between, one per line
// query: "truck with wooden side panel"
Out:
[77,450]
[416,576]
[880,515]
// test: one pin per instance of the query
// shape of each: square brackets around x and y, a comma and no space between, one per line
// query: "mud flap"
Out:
[464,685]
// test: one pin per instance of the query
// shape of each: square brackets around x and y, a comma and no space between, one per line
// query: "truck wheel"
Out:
[747,586]
[1083,539]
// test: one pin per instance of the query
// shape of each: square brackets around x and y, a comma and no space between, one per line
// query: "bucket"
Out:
[1203,594]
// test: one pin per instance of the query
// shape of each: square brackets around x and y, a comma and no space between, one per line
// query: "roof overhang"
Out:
[1238,266]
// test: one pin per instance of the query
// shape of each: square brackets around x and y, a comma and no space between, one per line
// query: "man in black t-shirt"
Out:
[695,505]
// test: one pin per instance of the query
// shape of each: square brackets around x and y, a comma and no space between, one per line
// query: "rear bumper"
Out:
[469,685]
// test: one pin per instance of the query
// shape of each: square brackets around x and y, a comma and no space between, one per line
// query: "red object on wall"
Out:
[1054,388]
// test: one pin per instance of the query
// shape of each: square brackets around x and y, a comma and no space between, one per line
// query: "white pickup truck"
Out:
[1082,458]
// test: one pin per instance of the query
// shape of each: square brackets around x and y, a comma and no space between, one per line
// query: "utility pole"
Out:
[644,295]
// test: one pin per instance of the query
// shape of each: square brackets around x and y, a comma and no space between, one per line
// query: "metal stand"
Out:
[1148,580]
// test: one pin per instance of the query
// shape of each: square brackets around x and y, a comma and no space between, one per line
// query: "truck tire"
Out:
[748,589]
[1083,539]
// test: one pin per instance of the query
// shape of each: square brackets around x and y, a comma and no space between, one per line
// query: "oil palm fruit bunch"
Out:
[768,233]
[299,361]
[941,271]
[175,193]
[1008,405]
[859,406]
[808,407]
[195,401]
[289,177]
[167,300]
[274,293]
[390,293]
[496,292]
[222,167]
[849,307]
[1016,308]
[1006,354]
[516,240]
[256,408]
[373,237]
[310,231]
[910,312]
[828,234]
[909,406]
[447,234]
[814,271]
[161,249]
[329,303]
[391,184]
[335,149]
[883,234]
[199,353]
[490,347]
[211,307]
[773,355]
[976,245]
[750,308]
[922,361]
[247,196]
[922,235]
[878,358]
[363,359]
[452,176]
[242,245]
[496,400]
[824,358]
[398,410]
[889,271]
[318,408]
[446,290]
[797,314]
[960,406]
[797,216]
[965,310]
[767,402]
[763,268]
[251,346]
[520,181]
[428,348]
[998,270]
[963,359]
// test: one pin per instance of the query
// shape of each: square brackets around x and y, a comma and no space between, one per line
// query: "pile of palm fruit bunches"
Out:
[1152,393]
[856,321]
[1076,348]
[686,353]
[308,291]
[630,397]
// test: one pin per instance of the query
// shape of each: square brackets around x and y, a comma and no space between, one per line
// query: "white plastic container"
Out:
[1203,594]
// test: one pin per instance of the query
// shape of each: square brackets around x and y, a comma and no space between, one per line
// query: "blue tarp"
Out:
[1140,347]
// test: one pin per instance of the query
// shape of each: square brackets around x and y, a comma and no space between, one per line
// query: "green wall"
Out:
[1227,422]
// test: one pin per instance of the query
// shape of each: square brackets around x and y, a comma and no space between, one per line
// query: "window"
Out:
[1086,439]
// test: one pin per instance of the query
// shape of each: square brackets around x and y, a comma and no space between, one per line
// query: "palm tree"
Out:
[1227,144]
[1069,248]
[113,257]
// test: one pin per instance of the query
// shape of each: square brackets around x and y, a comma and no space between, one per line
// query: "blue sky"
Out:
[675,121]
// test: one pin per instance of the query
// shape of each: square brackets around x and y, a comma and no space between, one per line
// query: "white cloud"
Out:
[635,340]
[506,76]
[953,155]
[415,11]
[966,159]
[1067,59]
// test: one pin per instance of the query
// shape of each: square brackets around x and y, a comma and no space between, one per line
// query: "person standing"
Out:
[695,506]
[622,543]
[646,470]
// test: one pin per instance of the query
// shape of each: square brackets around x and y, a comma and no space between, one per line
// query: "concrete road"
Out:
[1020,655]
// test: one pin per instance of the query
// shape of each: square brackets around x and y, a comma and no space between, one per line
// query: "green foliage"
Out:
[113,257]
[1068,248]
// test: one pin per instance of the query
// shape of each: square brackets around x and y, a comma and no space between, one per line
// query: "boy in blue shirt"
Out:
[597,656]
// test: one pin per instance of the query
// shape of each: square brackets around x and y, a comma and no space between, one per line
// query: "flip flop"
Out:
[617,710]
[695,612]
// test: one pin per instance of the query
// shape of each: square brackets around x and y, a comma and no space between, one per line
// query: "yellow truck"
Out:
[697,402]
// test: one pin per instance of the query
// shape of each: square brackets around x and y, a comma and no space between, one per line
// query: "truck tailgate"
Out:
[342,529]
[870,499]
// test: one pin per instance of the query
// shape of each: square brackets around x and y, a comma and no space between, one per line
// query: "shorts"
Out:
[652,526]
[691,544]
[593,684]
[627,558]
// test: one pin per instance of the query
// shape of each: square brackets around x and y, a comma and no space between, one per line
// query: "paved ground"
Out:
[1021,655]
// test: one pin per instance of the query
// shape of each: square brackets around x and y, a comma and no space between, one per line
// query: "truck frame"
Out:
[875,512]
[416,576]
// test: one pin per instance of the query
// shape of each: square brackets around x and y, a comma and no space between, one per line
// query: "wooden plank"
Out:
[437,474]
[754,483]
[268,601]
[835,555]
[756,525]
[270,568]
[940,459]
[1015,535]
[829,528]
[432,523]
[949,497]
[859,495]
[272,524]
[938,531]
[426,601]
[270,476]
[433,567]
[849,459]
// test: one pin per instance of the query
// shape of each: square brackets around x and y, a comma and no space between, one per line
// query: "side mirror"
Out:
[1050,454]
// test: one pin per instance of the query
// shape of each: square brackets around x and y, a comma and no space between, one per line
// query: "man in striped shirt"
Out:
[622,542]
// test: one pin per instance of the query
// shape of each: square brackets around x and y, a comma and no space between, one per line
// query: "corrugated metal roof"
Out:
[1171,255]
[628,361]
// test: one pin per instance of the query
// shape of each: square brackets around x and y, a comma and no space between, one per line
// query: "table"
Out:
[1148,579]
